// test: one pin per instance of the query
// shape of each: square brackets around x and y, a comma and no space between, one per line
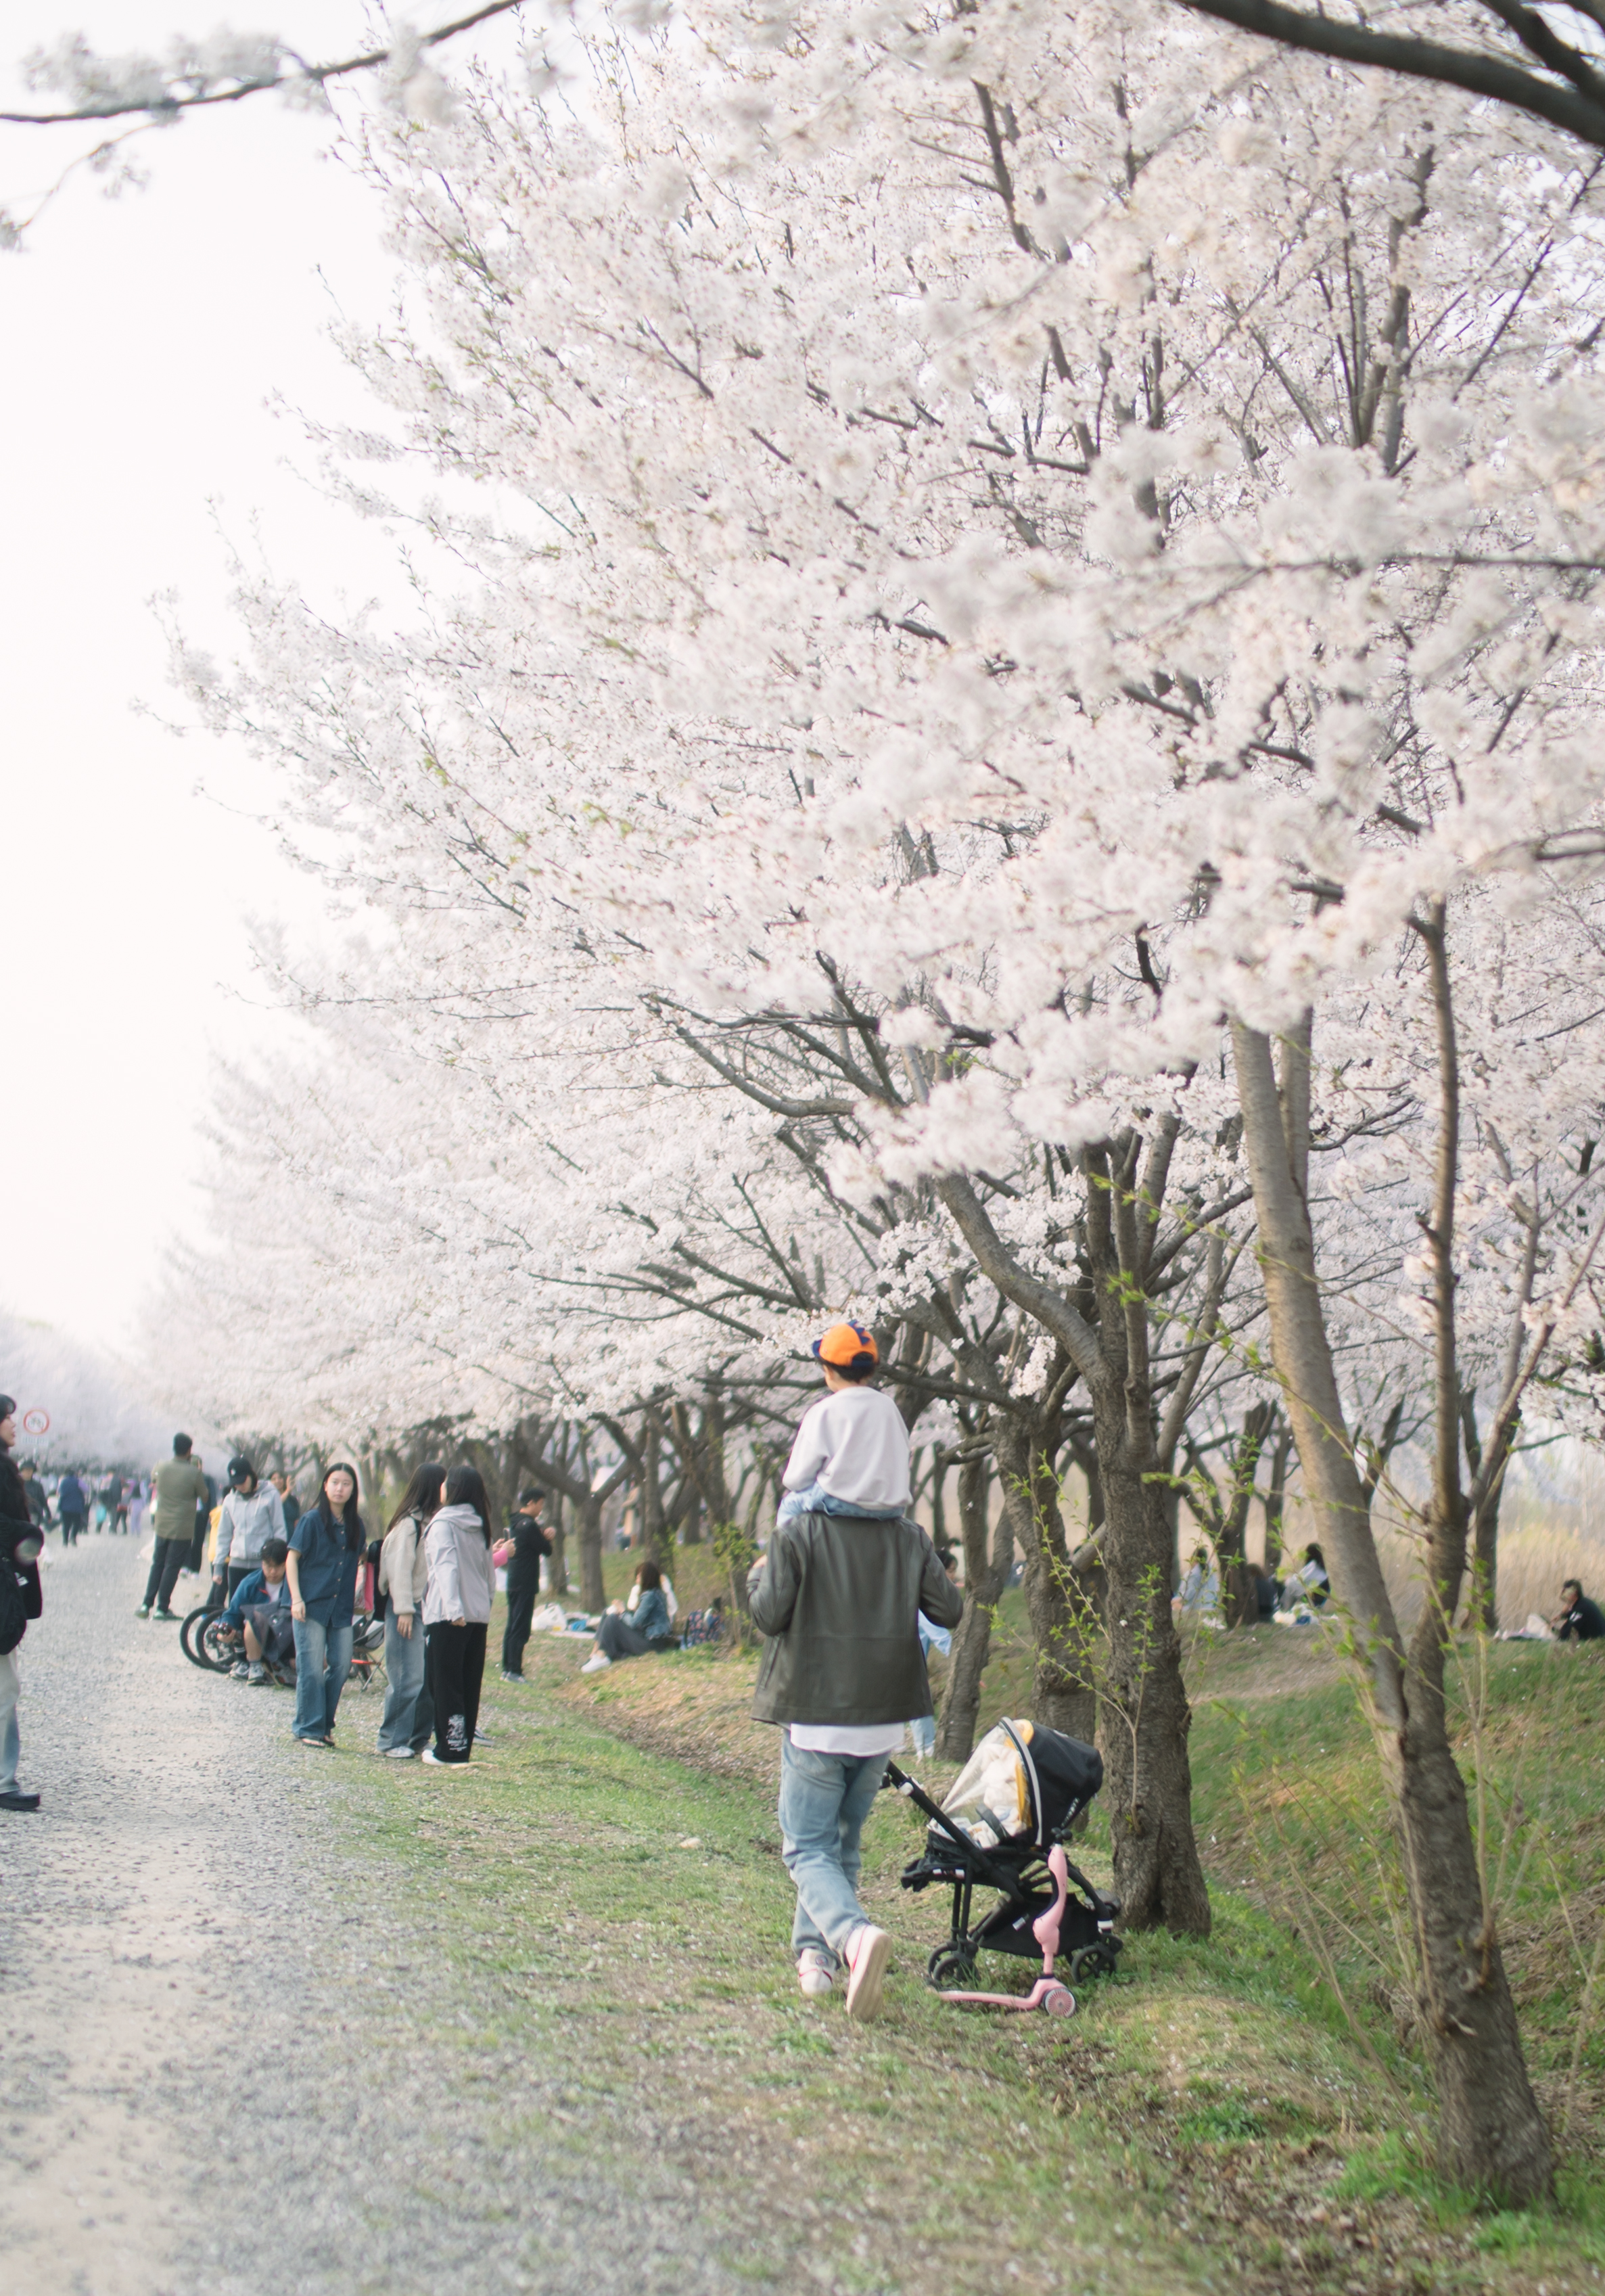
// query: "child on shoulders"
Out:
[851,1451]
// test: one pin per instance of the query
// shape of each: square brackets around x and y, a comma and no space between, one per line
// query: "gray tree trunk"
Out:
[1492,2137]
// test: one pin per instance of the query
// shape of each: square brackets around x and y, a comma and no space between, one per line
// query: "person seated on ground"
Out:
[618,1637]
[260,1609]
[851,1453]
[1200,1586]
[1578,1619]
[1309,1583]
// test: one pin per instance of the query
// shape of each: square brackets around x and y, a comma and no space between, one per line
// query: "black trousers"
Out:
[521,1609]
[455,1669]
[73,1527]
[169,1559]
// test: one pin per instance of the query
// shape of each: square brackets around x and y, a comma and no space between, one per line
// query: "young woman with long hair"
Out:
[621,1636]
[456,1611]
[325,1550]
[409,1715]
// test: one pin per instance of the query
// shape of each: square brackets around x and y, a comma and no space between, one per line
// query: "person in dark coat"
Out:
[530,1543]
[1578,1618]
[20,1541]
[72,1505]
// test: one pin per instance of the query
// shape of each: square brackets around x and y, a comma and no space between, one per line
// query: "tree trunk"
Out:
[560,1547]
[985,1575]
[1142,1709]
[1240,1596]
[1143,1718]
[1491,2135]
[592,1594]
[1063,1629]
[1482,1610]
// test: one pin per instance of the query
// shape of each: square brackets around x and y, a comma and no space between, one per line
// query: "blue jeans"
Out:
[317,1648]
[825,1800]
[10,1742]
[409,1711]
[814,1499]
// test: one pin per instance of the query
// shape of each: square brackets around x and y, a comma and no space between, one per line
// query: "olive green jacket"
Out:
[180,1490]
[838,1598]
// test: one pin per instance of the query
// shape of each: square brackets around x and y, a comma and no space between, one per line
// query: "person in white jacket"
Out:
[851,1451]
[456,1611]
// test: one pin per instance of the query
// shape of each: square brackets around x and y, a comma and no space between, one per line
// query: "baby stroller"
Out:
[1002,1827]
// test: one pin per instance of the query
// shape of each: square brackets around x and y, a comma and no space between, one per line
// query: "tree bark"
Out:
[1143,1716]
[985,1575]
[1491,2135]
[560,1547]
[1063,1629]
[592,1594]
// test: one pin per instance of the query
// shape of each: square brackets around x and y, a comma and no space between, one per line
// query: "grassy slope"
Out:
[1236,2084]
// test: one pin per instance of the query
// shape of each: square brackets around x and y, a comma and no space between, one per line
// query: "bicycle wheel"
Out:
[219,1649]
[185,1632]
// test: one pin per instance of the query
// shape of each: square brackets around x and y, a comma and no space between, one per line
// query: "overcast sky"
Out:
[144,337]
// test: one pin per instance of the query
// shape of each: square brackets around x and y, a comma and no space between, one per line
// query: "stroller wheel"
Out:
[950,1965]
[1091,1961]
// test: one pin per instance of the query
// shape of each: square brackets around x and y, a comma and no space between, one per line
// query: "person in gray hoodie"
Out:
[252,1512]
[456,1611]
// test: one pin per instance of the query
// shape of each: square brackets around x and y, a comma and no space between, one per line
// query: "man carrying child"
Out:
[839,1595]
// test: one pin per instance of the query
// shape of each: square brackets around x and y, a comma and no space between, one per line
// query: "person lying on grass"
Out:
[647,1629]
[838,1597]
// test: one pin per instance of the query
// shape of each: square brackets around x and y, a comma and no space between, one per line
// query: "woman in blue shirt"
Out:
[648,1629]
[325,1549]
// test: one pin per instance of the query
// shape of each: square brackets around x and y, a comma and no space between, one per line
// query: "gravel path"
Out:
[224,2067]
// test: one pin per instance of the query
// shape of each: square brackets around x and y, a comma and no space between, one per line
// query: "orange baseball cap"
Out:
[843,1343]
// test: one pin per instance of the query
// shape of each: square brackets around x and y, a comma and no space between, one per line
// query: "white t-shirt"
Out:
[853,1443]
[859,1738]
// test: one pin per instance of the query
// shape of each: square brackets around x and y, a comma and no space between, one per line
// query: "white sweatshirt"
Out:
[853,1443]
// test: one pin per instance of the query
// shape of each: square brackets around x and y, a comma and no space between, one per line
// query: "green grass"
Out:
[1267,2079]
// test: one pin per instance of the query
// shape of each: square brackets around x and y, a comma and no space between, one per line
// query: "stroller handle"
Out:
[901,1782]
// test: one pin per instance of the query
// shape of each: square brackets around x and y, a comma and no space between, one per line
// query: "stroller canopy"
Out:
[1022,1785]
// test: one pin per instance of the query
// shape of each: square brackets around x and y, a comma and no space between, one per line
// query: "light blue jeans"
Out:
[814,1499]
[323,1660]
[409,1711]
[11,1739]
[825,1800]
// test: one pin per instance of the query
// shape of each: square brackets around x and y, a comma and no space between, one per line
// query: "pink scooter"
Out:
[1047,1993]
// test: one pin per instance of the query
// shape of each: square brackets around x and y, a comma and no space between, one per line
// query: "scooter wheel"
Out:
[1061,2001]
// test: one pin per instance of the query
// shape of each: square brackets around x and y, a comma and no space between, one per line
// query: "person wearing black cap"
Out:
[252,1512]
[22,1598]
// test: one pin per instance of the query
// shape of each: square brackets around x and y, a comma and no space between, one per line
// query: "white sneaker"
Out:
[398,1753]
[596,1662]
[815,1972]
[869,1949]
